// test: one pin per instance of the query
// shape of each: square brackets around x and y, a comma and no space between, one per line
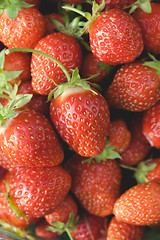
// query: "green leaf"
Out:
[145,5]
[2,58]
[11,12]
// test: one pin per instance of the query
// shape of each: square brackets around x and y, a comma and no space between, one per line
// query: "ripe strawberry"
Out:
[39,191]
[151,125]
[139,146]
[29,139]
[22,30]
[96,185]
[38,102]
[62,212]
[139,205]
[120,230]
[149,24]
[135,87]
[42,232]
[115,37]
[45,72]
[7,164]
[18,61]
[91,66]
[90,227]
[119,135]
[81,118]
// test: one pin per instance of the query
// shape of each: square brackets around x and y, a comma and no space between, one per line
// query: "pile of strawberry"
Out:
[80,118]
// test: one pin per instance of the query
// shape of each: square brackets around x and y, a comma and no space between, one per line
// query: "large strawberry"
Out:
[20,24]
[139,205]
[119,230]
[46,73]
[151,125]
[149,24]
[96,185]
[135,86]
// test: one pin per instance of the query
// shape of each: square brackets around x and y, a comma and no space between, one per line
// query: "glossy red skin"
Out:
[25,31]
[96,185]
[151,125]
[115,37]
[18,61]
[124,231]
[7,164]
[116,3]
[90,67]
[139,205]
[30,140]
[39,191]
[149,24]
[82,120]
[119,135]
[49,26]
[41,230]
[62,47]
[90,227]
[135,88]
[38,102]
[154,175]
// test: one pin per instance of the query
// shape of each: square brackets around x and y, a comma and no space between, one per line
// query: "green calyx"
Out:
[108,153]
[61,227]
[153,64]
[12,7]
[145,5]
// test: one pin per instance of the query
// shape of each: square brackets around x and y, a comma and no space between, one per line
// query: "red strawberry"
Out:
[90,227]
[91,65]
[135,87]
[39,191]
[149,24]
[22,30]
[119,135]
[96,185]
[81,117]
[29,139]
[139,147]
[120,230]
[7,164]
[38,102]
[44,71]
[62,212]
[18,61]
[151,125]
[115,37]
[139,205]
[42,232]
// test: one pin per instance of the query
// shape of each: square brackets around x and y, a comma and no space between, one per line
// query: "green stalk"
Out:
[7,51]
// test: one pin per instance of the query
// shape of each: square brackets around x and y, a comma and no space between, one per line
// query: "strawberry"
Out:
[119,135]
[120,230]
[95,184]
[38,191]
[24,29]
[149,24]
[135,87]
[7,164]
[29,139]
[42,232]
[90,227]
[46,73]
[18,61]
[151,125]
[139,146]
[91,66]
[139,205]
[81,117]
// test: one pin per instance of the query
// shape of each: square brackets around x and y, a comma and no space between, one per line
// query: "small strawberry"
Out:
[149,24]
[20,24]
[135,87]
[151,125]
[139,205]
[38,191]
[46,73]
[96,184]
[42,232]
[120,230]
